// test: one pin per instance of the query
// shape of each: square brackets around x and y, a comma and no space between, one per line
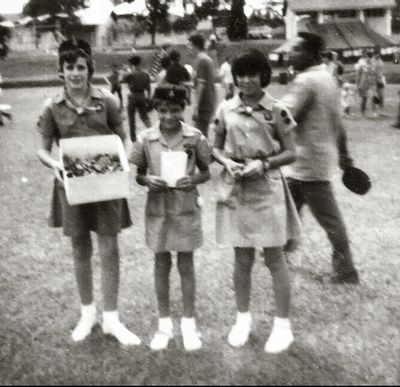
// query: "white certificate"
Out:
[173,166]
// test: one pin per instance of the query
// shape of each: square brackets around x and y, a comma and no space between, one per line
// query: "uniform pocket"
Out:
[185,203]
[155,205]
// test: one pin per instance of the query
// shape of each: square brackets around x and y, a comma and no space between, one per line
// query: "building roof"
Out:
[331,5]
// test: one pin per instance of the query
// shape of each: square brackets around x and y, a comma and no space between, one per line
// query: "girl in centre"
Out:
[173,214]
[253,140]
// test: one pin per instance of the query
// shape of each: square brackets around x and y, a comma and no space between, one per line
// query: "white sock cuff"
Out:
[189,322]
[165,323]
[88,309]
[245,317]
[282,322]
[110,315]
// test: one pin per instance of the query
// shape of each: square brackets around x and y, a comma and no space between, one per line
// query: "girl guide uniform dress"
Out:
[62,119]
[254,211]
[173,217]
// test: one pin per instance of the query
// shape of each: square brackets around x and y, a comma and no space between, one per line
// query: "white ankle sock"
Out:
[191,338]
[114,327]
[165,325]
[85,323]
[243,318]
[281,336]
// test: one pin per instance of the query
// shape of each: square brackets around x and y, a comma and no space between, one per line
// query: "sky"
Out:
[11,6]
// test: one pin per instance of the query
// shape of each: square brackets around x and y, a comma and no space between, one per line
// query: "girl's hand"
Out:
[58,172]
[233,168]
[254,168]
[156,183]
[185,183]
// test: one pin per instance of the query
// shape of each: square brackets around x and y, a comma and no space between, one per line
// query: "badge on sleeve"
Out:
[268,115]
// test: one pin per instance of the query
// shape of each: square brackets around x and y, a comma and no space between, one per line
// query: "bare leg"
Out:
[244,259]
[162,268]
[188,282]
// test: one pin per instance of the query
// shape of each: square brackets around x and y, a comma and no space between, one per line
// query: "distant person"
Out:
[320,137]
[225,73]
[5,110]
[115,86]
[212,50]
[177,74]
[138,81]
[347,99]
[380,80]
[205,93]
[366,82]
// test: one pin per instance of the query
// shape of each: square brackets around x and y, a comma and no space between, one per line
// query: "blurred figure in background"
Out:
[160,78]
[138,82]
[205,93]
[380,80]
[225,73]
[366,81]
[115,86]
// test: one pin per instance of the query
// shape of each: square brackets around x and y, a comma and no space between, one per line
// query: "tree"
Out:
[237,21]
[396,17]
[35,8]
[5,35]
[158,16]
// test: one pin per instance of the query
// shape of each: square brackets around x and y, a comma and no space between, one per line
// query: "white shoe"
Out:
[190,336]
[85,323]
[112,326]
[163,335]
[281,336]
[240,332]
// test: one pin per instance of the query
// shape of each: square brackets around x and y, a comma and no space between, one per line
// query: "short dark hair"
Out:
[175,56]
[197,40]
[72,55]
[135,60]
[252,62]
[165,62]
[313,43]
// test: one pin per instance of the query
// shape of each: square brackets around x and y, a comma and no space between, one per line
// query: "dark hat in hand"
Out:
[171,93]
[72,44]
[356,180]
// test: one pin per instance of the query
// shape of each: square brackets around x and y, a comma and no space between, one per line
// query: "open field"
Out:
[343,334]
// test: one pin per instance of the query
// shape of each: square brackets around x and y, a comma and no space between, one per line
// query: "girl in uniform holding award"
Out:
[252,140]
[173,216]
[83,110]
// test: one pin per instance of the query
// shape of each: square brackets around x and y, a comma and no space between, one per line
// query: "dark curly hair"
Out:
[252,62]
[72,55]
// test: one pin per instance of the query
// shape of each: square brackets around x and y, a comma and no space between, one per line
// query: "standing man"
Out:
[314,101]
[205,93]
[138,82]
[177,74]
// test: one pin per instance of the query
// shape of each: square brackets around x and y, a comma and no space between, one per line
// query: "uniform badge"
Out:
[268,115]
[171,94]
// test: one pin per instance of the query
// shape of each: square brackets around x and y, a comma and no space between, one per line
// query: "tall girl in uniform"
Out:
[173,218]
[83,110]
[252,140]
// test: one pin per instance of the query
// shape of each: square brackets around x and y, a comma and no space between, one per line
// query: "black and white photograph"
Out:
[200,192]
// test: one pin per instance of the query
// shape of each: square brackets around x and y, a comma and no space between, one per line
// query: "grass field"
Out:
[344,334]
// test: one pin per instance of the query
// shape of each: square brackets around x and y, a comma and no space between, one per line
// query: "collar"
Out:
[94,92]
[266,102]
[155,132]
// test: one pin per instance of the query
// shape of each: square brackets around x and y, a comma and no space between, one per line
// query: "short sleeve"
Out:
[299,97]
[283,118]
[138,155]
[218,124]
[203,153]
[46,124]
[114,119]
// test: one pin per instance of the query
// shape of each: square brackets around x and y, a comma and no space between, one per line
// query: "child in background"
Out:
[83,110]
[173,215]
[347,99]
[114,81]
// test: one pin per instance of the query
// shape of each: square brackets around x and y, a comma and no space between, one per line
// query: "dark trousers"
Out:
[320,198]
[136,102]
[118,90]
